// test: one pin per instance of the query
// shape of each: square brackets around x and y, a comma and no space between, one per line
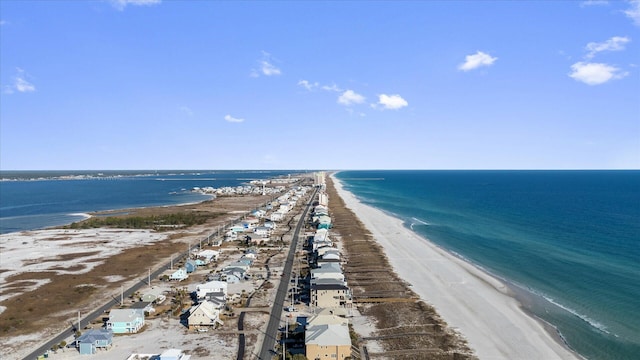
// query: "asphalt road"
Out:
[271,334]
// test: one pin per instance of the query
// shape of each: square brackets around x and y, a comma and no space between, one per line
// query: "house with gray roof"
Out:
[94,339]
[327,341]
[124,321]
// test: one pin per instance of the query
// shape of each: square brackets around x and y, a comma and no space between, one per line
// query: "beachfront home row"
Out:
[327,285]
[326,334]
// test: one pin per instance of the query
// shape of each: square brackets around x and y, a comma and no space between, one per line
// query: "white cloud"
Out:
[269,69]
[20,84]
[23,85]
[3,22]
[307,85]
[595,73]
[633,12]
[477,60]
[391,102]
[231,119]
[121,4]
[594,3]
[332,87]
[350,97]
[616,43]
[266,67]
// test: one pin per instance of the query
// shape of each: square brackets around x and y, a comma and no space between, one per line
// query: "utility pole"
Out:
[284,342]
[79,321]
[121,295]
[149,278]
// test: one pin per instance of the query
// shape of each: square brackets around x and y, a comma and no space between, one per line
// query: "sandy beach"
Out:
[473,302]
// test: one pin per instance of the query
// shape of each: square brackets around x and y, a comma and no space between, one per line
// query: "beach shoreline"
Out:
[477,304]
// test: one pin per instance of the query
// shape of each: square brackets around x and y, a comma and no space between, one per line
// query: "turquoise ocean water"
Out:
[38,199]
[569,239]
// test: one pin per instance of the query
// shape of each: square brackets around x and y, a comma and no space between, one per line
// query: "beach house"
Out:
[251,254]
[270,224]
[174,354]
[179,275]
[190,266]
[208,256]
[276,216]
[327,271]
[328,341]
[231,235]
[94,339]
[233,275]
[330,293]
[125,321]
[323,198]
[203,316]
[211,287]
[262,231]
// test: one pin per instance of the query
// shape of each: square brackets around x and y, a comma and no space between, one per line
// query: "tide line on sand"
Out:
[474,303]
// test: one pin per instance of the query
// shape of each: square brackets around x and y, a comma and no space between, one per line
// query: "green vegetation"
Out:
[156,222]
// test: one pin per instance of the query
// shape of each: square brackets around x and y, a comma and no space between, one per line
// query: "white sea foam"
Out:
[588,320]
[84,215]
[420,221]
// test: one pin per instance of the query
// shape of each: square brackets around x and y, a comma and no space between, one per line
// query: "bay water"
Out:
[39,199]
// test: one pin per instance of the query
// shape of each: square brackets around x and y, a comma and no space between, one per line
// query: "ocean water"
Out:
[570,240]
[38,199]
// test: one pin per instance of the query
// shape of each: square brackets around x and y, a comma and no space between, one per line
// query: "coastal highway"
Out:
[271,333]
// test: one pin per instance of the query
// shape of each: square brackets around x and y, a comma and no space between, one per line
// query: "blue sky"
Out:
[145,84]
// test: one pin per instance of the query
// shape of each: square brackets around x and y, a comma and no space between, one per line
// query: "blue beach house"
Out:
[125,321]
[179,275]
[200,262]
[89,342]
[190,266]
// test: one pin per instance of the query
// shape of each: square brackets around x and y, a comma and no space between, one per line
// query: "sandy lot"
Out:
[60,251]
